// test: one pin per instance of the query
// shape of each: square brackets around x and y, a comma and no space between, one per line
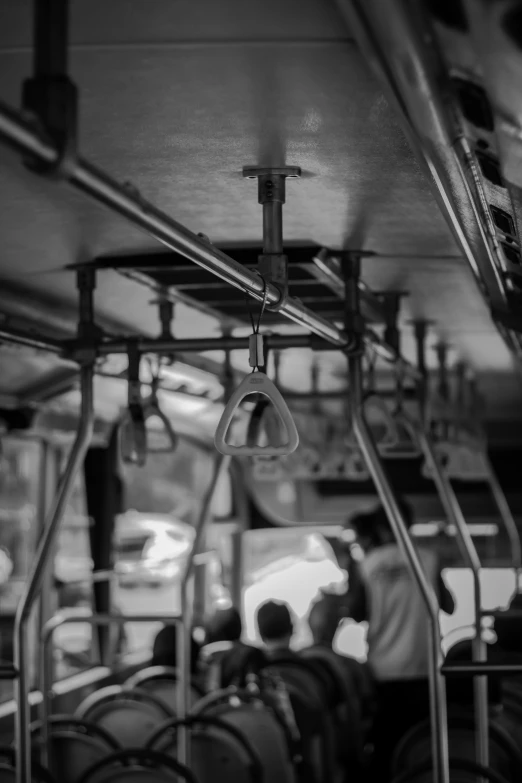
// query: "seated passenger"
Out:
[164,652]
[225,625]
[323,620]
[384,594]
[275,626]
[226,660]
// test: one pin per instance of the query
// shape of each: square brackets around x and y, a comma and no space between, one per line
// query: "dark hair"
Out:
[164,652]
[372,524]
[323,620]
[274,621]
[224,626]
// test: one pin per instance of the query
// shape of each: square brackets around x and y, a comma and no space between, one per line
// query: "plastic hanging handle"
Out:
[133,436]
[152,409]
[256,383]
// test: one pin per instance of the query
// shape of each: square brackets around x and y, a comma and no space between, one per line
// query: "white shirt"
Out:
[398,632]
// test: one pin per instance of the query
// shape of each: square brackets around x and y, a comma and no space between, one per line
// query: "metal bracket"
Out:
[133,431]
[273,263]
[49,94]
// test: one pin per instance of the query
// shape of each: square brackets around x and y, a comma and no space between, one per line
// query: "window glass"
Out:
[19,472]
[163,500]
[291,565]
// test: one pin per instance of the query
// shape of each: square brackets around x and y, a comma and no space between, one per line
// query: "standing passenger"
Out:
[384,595]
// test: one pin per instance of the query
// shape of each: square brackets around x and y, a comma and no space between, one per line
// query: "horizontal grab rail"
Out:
[478,668]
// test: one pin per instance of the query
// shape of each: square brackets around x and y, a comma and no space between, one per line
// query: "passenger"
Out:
[276,628]
[225,625]
[323,620]
[164,652]
[382,593]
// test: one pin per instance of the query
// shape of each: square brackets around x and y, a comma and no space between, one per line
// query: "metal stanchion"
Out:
[439,730]
[467,547]
[183,642]
[34,582]
[438,714]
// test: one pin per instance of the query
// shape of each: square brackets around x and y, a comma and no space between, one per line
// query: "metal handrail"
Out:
[438,710]
[46,660]
[183,640]
[471,558]
[36,576]
[127,202]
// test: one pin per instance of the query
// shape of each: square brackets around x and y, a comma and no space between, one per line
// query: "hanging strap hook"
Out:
[133,433]
[257,382]
[152,409]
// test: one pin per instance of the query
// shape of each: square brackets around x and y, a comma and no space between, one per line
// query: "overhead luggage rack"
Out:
[312,274]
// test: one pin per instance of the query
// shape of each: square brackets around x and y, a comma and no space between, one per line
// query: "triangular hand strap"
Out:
[256,383]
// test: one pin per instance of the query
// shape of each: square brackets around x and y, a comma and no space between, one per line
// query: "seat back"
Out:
[130,716]
[140,765]
[220,752]
[162,682]
[505,757]
[8,768]
[309,703]
[263,731]
[75,745]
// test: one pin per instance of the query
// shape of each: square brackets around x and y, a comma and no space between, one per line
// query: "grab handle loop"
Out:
[152,410]
[257,383]
[133,432]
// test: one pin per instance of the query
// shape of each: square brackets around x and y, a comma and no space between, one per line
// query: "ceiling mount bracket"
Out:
[273,263]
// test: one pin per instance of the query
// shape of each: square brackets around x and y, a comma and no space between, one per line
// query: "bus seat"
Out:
[349,729]
[162,682]
[8,768]
[461,771]
[75,745]
[309,702]
[263,731]
[140,765]
[130,716]
[220,752]
[415,747]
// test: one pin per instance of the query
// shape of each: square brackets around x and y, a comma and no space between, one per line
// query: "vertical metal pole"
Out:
[242,515]
[184,637]
[438,712]
[49,479]
[467,547]
[33,586]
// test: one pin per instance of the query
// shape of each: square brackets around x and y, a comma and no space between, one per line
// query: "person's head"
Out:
[275,626]
[372,528]
[224,626]
[323,620]
[164,652]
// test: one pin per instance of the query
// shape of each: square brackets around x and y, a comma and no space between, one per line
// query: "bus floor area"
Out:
[305,718]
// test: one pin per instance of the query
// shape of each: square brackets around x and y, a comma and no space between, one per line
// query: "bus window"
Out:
[153,537]
[291,565]
[19,471]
